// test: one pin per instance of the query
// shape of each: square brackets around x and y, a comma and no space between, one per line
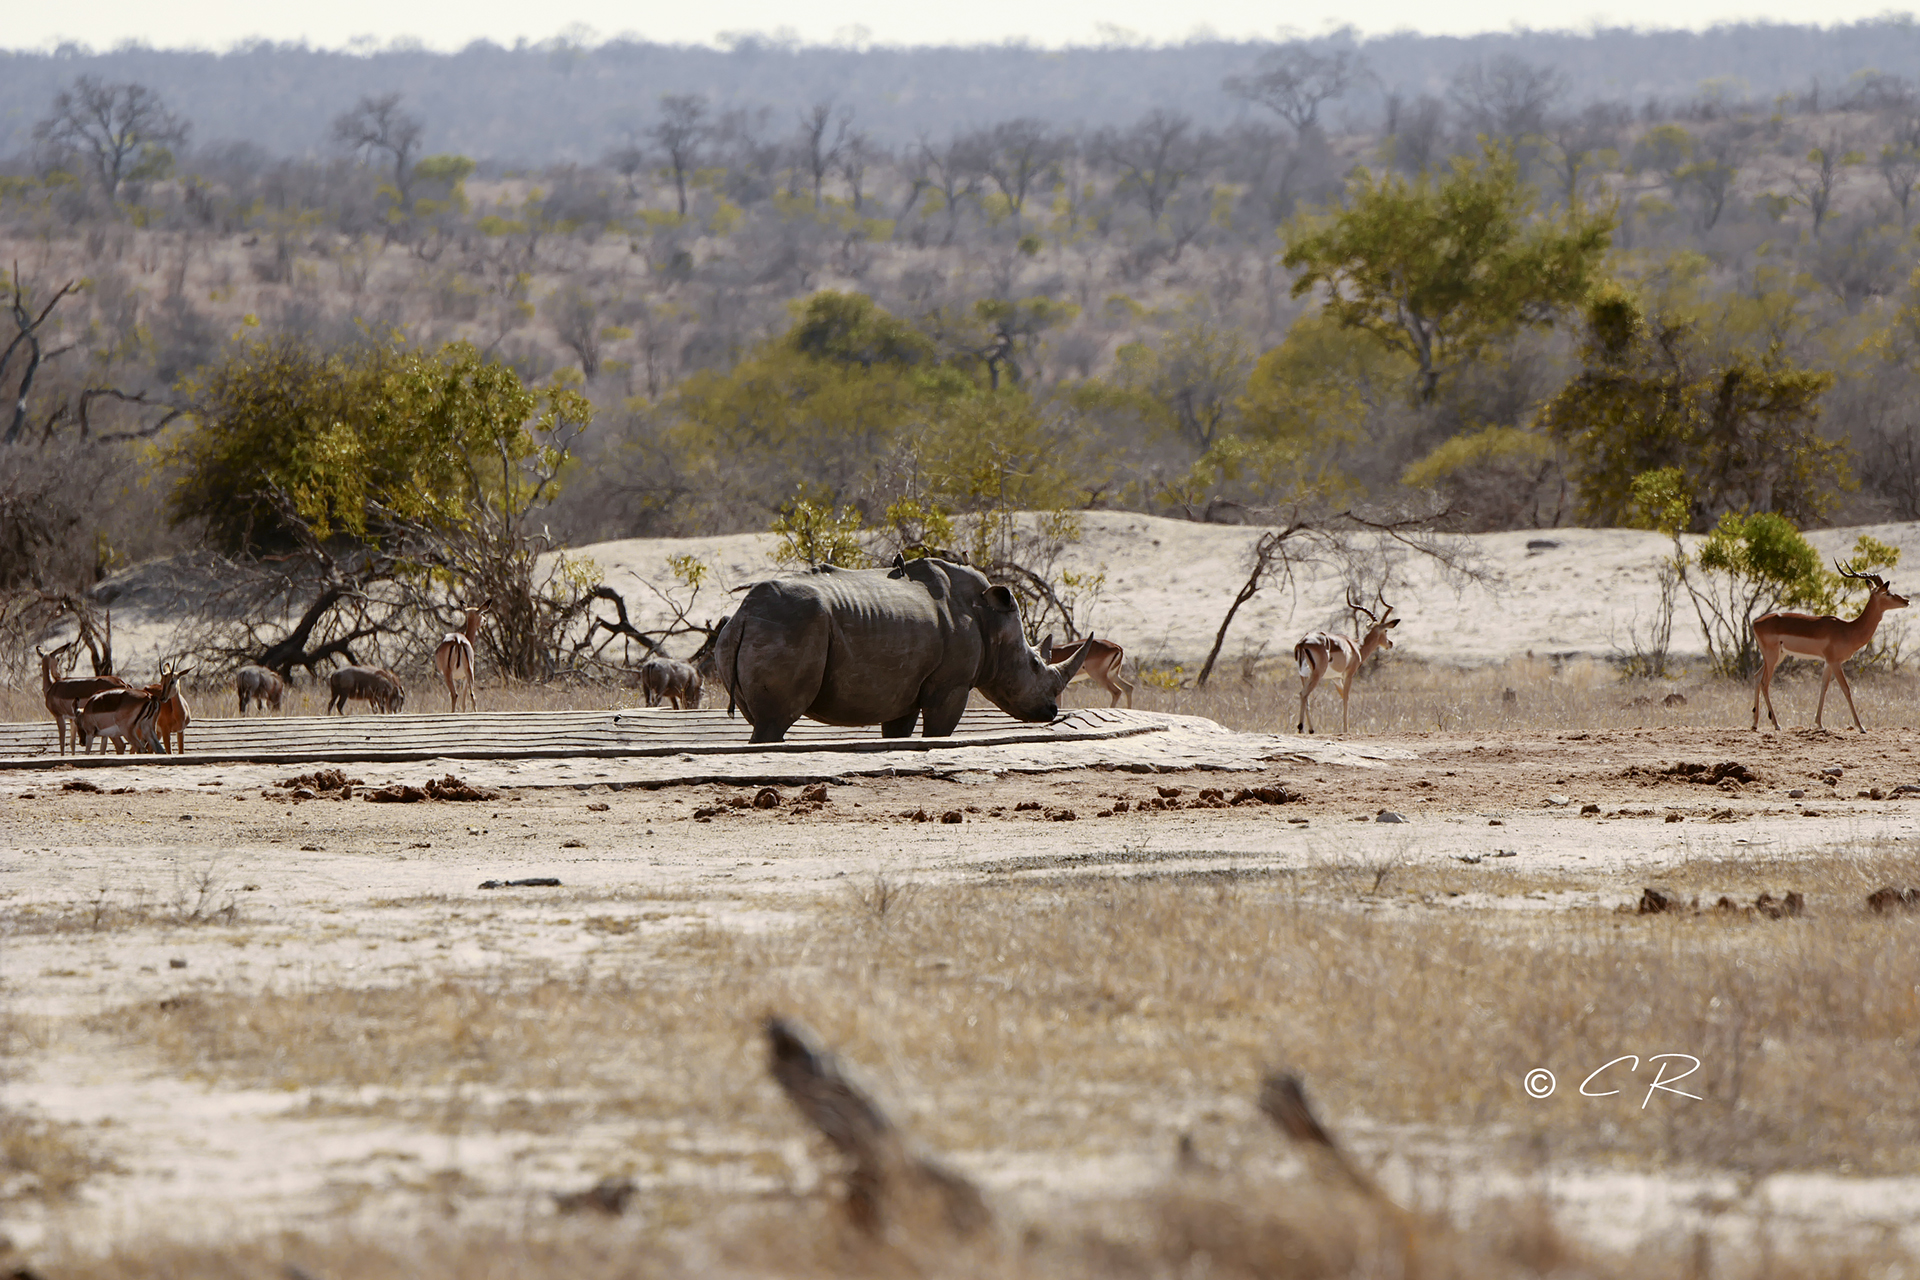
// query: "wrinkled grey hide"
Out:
[885,647]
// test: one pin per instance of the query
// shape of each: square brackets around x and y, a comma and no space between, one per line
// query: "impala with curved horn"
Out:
[1320,652]
[453,659]
[1830,639]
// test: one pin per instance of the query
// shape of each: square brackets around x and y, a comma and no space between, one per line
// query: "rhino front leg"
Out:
[901,727]
[943,714]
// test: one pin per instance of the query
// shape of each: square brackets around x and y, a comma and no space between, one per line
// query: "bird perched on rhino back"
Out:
[890,647]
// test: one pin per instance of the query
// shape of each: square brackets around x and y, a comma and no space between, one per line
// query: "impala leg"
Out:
[1769,658]
[1840,674]
[1826,678]
[1308,680]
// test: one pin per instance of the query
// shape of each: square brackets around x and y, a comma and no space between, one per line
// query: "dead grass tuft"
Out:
[41,1160]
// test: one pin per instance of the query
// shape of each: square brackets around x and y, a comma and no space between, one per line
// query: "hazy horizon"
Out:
[362,27]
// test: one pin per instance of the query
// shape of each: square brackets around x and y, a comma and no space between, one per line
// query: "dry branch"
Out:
[887,1182]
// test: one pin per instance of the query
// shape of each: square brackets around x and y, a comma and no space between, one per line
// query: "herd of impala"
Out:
[108,709]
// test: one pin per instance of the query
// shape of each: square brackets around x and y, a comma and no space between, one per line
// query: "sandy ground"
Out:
[331,892]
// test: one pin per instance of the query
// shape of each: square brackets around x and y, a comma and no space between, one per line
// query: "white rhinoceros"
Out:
[885,647]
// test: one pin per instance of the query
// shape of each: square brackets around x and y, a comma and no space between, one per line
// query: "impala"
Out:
[1322,651]
[1102,665]
[63,697]
[454,658]
[127,715]
[1832,640]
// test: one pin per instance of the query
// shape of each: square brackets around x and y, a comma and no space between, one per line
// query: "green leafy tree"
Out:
[1748,564]
[1741,429]
[1437,268]
[424,469]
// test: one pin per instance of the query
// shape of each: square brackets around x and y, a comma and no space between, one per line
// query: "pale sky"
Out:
[449,24]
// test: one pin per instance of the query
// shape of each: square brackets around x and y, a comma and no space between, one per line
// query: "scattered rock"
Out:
[1495,822]
[1559,801]
[1259,795]
[574,843]
[918,815]
[953,815]
[531,882]
[1025,805]
[1508,698]
[1796,793]
[397,794]
[79,784]
[1833,771]
[1691,771]
[707,812]
[1655,902]
[452,787]
[1061,815]
[1676,817]
[177,962]
[1122,805]
[1774,909]
[1906,789]
[1504,853]
[311,848]
[1891,899]
[1674,700]
[1388,815]
[1168,793]
[1586,809]
[815,794]
[609,1196]
[766,798]
[598,807]
[328,780]
[1536,545]
[1660,901]
[1721,815]
[1469,858]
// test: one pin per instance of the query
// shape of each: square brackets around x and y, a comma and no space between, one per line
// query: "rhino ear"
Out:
[1002,599]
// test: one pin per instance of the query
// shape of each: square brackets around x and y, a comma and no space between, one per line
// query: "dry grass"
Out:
[41,1160]
[198,897]
[1068,1017]
[1409,697]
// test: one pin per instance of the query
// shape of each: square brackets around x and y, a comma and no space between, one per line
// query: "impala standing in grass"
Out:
[1320,652]
[1832,640]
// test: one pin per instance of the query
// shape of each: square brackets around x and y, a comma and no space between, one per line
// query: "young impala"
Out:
[1832,640]
[1322,651]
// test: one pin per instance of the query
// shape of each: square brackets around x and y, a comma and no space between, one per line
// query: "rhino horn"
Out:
[1046,647]
[1065,670]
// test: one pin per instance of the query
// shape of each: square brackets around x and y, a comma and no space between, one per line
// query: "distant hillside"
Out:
[557,102]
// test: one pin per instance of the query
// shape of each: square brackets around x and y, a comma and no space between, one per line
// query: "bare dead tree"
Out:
[823,138]
[680,133]
[26,341]
[1306,538]
[377,124]
[123,130]
[1294,81]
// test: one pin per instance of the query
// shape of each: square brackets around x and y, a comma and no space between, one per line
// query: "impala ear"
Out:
[1394,623]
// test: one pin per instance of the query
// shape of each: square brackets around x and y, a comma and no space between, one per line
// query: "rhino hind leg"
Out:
[901,727]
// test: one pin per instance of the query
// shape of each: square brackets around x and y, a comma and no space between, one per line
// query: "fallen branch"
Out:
[886,1182]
